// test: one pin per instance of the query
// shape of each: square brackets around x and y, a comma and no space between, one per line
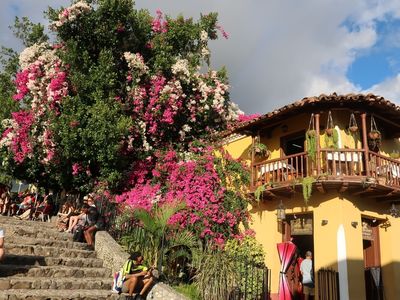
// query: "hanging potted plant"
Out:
[259,149]
[331,134]
[311,139]
[374,136]
[329,125]
[353,127]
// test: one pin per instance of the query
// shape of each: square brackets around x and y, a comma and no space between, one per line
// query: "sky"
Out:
[280,51]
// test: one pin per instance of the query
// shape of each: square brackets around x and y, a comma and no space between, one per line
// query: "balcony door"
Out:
[290,146]
[293,143]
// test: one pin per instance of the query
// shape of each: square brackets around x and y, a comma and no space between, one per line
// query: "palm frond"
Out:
[150,223]
[165,212]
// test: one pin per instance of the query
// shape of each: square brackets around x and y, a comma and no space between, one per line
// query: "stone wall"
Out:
[114,257]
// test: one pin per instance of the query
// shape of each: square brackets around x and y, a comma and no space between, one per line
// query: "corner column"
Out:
[365,142]
[318,146]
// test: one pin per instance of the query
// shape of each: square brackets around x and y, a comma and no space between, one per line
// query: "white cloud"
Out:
[389,88]
[278,51]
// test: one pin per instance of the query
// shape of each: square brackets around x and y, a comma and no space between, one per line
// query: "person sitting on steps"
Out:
[138,277]
[1,244]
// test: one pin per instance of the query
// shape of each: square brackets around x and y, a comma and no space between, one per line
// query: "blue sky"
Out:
[280,51]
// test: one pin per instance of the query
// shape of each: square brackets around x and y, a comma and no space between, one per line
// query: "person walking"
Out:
[306,269]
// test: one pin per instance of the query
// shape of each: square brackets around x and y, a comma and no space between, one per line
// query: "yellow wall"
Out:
[333,207]
[337,211]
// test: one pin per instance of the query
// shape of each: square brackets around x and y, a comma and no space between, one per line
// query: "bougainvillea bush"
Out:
[117,100]
[114,86]
[209,182]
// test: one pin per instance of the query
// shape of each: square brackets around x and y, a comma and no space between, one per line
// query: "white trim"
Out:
[342,264]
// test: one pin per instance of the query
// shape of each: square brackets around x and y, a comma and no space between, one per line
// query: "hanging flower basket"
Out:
[260,150]
[311,133]
[329,125]
[374,135]
[329,131]
[353,127]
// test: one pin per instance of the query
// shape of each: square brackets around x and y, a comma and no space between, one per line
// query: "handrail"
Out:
[279,159]
[384,157]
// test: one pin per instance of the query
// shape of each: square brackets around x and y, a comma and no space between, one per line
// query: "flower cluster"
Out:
[71,13]
[211,210]
[42,84]
[159,25]
[136,65]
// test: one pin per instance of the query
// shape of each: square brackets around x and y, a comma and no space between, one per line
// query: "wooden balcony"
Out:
[353,171]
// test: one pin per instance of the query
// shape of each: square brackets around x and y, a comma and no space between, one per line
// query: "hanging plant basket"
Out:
[311,139]
[353,127]
[259,149]
[329,131]
[329,125]
[374,136]
[311,133]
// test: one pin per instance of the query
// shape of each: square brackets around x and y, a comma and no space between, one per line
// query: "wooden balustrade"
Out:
[342,162]
[283,169]
[385,169]
[333,162]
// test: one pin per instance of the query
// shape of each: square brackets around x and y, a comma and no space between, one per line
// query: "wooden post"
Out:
[365,142]
[318,158]
[252,163]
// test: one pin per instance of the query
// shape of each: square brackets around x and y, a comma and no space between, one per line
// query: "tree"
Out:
[116,86]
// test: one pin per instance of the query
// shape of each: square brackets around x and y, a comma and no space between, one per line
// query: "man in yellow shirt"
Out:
[137,276]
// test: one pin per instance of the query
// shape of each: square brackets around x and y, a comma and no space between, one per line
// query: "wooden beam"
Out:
[320,187]
[344,187]
[364,191]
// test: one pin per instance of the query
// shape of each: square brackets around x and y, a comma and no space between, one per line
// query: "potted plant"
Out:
[374,136]
[329,125]
[353,127]
[311,141]
[259,149]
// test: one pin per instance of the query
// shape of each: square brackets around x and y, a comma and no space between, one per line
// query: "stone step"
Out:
[35,232]
[50,294]
[35,283]
[15,221]
[12,259]
[48,251]
[45,242]
[33,271]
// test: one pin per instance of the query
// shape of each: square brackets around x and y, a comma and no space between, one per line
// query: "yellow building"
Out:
[349,163]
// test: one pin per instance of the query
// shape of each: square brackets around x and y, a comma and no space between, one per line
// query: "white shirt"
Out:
[306,270]
[1,233]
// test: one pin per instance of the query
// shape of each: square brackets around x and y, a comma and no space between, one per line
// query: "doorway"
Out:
[372,260]
[300,231]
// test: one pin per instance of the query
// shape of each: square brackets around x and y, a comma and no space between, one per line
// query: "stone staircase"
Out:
[42,263]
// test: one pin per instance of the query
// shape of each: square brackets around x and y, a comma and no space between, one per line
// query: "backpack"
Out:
[118,282]
[119,277]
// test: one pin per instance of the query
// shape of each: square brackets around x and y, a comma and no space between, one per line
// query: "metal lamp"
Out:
[280,212]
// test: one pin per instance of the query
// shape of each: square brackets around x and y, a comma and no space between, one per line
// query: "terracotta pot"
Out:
[329,131]
[311,132]
[353,128]
[374,135]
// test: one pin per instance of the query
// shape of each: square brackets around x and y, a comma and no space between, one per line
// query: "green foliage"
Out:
[247,253]
[155,234]
[331,141]
[259,191]
[259,149]
[188,290]
[307,183]
[216,275]
[311,140]
[29,33]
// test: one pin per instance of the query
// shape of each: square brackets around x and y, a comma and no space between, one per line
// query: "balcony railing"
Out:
[329,163]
